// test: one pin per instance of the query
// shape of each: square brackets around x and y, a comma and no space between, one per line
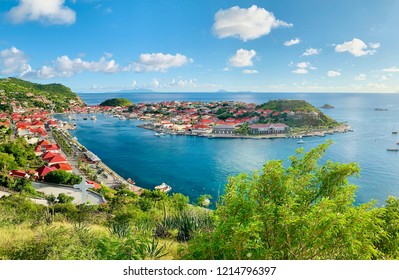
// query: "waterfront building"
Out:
[223,129]
[268,128]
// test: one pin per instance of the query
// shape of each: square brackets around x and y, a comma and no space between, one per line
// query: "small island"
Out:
[380,109]
[327,106]
[117,102]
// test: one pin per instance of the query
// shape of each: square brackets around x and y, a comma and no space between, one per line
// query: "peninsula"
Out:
[227,119]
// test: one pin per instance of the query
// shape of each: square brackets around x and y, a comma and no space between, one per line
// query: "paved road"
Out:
[4,193]
[75,193]
[39,201]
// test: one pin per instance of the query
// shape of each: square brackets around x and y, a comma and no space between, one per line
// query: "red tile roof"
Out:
[95,185]
[57,159]
[63,166]
[51,147]
[43,142]
[44,170]
[18,173]
[47,155]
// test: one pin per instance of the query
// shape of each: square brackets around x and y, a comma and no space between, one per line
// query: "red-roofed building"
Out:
[63,166]
[54,148]
[43,142]
[44,170]
[19,174]
[48,155]
[57,159]
[96,186]
[205,121]
[39,131]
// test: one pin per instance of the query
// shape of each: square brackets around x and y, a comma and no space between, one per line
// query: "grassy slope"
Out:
[58,94]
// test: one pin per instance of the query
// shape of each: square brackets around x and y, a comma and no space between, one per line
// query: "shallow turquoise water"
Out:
[196,165]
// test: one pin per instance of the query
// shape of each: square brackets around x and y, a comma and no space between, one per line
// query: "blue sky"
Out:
[203,45]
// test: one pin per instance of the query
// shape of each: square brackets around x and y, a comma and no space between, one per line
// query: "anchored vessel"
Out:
[164,187]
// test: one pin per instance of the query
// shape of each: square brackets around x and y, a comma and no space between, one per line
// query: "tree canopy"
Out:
[304,211]
[122,102]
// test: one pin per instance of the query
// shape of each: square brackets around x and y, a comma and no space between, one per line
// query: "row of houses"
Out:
[33,125]
[254,129]
[51,154]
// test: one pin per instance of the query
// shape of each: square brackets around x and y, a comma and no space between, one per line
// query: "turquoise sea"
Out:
[196,165]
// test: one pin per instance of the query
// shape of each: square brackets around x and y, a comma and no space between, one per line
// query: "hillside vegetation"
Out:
[28,94]
[120,102]
[302,113]
[302,211]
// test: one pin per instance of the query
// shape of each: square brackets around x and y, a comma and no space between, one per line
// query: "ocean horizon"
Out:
[197,165]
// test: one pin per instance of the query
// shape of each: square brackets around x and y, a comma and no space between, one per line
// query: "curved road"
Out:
[56,190]
[75,193]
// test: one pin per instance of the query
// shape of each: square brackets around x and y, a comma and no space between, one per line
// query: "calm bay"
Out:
[198,165]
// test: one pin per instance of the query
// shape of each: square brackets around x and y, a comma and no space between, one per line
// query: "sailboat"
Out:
[300,141]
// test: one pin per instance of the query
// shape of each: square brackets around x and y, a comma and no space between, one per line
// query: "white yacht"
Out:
[164,187]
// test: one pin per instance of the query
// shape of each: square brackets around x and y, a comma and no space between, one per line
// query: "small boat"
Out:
[85,118]
[93,118]
[394,132]
[393,150]
[159,134]
[164,187]
[130,181]
[300,142]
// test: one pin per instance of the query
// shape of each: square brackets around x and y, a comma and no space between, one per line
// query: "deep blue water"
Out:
[196,165]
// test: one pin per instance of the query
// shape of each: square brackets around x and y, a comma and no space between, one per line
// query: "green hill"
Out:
[121,102]
[301,113]
[28,94]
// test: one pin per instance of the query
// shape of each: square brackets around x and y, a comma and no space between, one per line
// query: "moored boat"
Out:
[393,150]
[164,187]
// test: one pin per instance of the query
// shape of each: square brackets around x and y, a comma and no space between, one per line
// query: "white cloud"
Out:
[374,45]
[182,83]
[393,69]
[45,11]
[66,67]
[333,73]
[361,77]
[357,47]
[245,24]
[311,51]
[44,72]
[242,58]
[13,61]
[174,83]
[377,86]
[158,62]
[292,42]
[248,71]
[300,71]
[384,78]
[134,83]
[302,67]
[155,83]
